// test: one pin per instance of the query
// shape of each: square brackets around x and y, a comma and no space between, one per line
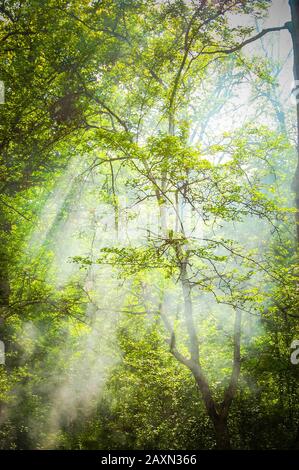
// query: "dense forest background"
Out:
[149,247]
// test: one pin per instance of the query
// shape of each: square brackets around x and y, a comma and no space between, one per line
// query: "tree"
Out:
[122,104]
[172,170]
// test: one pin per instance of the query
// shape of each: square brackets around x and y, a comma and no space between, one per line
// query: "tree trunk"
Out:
[221,433]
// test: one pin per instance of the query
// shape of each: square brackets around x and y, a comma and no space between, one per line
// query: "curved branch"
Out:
[236,48]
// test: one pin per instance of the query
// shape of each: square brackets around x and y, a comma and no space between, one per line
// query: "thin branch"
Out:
[248,41]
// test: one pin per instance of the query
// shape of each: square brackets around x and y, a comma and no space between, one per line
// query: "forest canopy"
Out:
[149,224]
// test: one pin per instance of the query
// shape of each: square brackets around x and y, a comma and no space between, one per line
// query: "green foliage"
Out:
[137,219]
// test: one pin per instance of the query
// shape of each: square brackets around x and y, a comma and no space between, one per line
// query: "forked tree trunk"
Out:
[218,413]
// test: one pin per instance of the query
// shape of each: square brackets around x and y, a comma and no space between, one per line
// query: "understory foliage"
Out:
[149,266]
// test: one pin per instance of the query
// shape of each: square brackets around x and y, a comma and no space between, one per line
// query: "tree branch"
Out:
[249,40]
